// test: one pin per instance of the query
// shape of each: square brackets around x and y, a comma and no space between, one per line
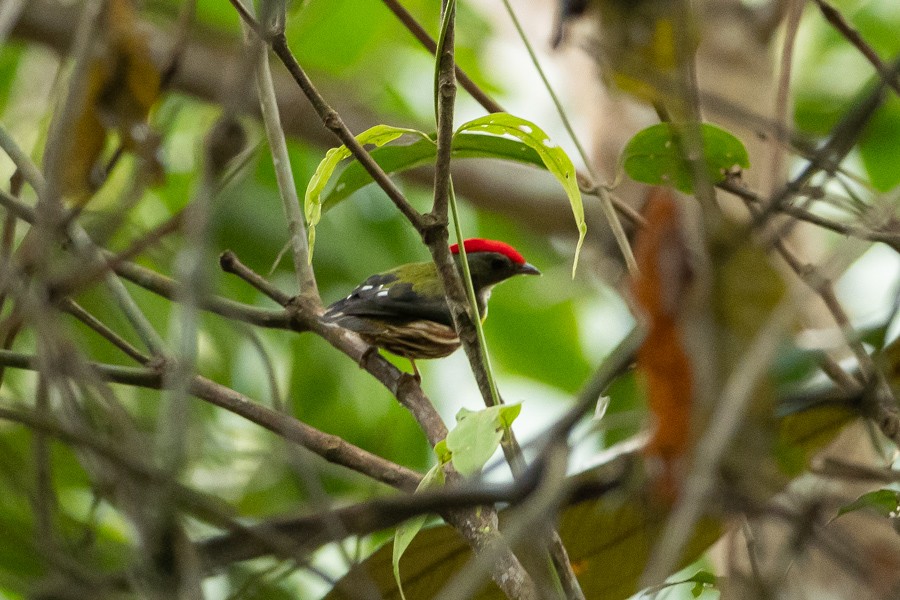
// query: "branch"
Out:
[491,105]
[332,120]
[309,532]
[885,236]
[301,314]
[530,196]
[415,28]
[833,16]
[842,139]
[330,447]
[306,280]
[23,163]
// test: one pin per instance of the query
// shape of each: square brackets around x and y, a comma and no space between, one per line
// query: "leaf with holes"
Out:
[399,158]
[554,158]
[655,156]
[312,201]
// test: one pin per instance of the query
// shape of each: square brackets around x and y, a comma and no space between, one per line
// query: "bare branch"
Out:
[330,447]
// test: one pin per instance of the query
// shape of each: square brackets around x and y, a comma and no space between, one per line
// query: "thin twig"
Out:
[208,509]
[81,280]
[45,501]
[77,311]
[306,281]
[24,164]
[230,263]
[167,288]
[890,238]
[842,139]
[332,120]
[83,243]
[330,447]
[408,21]
[842,26]
[309,532]
[491,105]
[792,23]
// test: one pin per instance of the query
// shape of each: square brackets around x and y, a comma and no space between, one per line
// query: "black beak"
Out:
[528,269]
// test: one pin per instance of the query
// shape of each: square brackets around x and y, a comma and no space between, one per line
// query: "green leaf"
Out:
[508,414]
[554,158]
[875,336]
[395,159]
[878,144]
[377,136]
[793,365]
[408,530]
[701,580]
[442,452]
[884,502]
[655,156]
[477,435]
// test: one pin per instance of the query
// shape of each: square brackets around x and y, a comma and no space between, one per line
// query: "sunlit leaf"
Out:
[442,452]
[396,159]
[477,435]
[555,159]
[655,156]
[378,135]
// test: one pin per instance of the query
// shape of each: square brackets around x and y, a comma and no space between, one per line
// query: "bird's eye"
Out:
[497,263]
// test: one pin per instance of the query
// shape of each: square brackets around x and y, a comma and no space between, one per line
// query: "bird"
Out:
[404,311]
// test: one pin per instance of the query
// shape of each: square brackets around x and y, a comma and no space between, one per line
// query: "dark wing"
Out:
[383,297]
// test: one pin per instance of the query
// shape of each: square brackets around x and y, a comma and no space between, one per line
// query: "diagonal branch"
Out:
[332,120]
[330,447]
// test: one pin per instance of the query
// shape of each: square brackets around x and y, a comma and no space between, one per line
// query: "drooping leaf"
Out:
[477,435]
[378,135]
[554,158]
[408,530]
[883,502]
[396,159]
[656,156]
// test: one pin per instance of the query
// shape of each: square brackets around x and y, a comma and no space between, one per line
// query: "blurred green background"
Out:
[546,334]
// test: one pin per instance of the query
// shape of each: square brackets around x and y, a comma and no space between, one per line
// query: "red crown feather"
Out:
[480,245]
